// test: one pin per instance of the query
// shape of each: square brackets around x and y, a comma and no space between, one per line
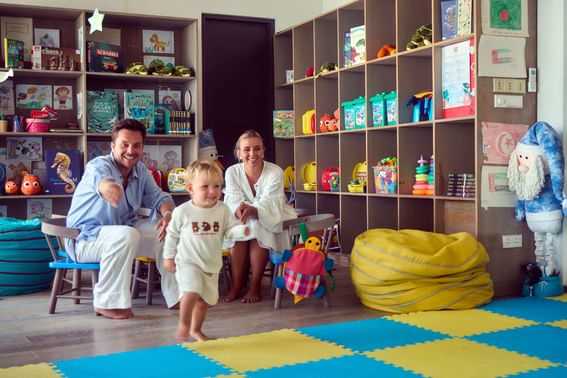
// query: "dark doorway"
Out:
[238,80]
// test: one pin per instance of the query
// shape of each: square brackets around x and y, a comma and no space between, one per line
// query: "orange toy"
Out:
[30,185]
[11,187]
[386,50]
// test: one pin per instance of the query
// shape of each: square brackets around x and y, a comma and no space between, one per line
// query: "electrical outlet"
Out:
[512,241]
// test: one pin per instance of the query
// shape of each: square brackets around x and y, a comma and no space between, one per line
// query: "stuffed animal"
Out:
[421,37]
[208,148]
[386,50]
[30,184]
[536,175]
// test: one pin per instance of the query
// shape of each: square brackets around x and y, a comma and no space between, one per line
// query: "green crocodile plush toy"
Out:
[421,37]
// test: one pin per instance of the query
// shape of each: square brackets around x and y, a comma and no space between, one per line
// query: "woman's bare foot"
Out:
[252,296]
[119,313]
[199,336]
[182,334]
[231,295]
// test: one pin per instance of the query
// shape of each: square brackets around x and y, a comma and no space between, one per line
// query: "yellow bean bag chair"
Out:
[410,270]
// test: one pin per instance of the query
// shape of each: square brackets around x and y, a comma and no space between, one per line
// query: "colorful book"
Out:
[140,106]
[63,171]
[20,29]
[13,53]
[457,79]
[464,17]
[358,44]
[104,57]
[102,111]
[448,19]
[283,122]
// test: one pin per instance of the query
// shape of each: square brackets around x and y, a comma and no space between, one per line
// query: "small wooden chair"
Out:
[150,279]
[313,223]
[56,232]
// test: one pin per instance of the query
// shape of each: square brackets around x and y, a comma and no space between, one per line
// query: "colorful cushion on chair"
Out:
[24,257]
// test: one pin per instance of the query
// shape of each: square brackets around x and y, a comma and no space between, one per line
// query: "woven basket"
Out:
[37,125]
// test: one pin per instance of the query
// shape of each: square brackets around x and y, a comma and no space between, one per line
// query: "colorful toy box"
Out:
[391,108]
[349,115]
[359,112]
[378,110]
[386,176]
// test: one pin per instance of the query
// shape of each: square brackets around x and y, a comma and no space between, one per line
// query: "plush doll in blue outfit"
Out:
[536,174]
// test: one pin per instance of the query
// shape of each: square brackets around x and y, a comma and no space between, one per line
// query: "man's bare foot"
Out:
[199,336]
[251,297]
[231,295]
[175,306]
[119,313]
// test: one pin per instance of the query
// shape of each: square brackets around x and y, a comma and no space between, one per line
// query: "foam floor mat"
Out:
[523,337]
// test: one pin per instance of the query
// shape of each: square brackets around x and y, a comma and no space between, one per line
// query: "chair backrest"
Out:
[56,227]
[313,223]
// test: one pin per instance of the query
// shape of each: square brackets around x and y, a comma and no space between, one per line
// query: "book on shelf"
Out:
[104,57]
[180,122]
[63,171]
[55,58]
[457,79]
[358,44]
[102,111]
[448,19]
[140,106]
[39,208]
[13,53]
[464,17]
[283,123]
[20,29]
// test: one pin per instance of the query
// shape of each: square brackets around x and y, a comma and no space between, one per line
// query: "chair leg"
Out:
[327,298]
[57,282]
[77,284]
[278,299]
[150,283]
[135,282]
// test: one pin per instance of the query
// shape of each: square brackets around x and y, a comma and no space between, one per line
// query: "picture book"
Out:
[104,57]
[14,167]
[151,156]
[63,171]
[46,37]
[457,79]
[448,19]
[120,93]
[170,98]
[102,111]
[358,44]
[284,123]
[169,157]
[98,148]
[18,28]
[30,148]
[62,97]
[464,17]
[39,208]
[33,96]
[158,42]
[140,106]
[13,53]
[7,97]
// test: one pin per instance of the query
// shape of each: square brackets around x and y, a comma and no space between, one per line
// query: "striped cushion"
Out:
[24,257]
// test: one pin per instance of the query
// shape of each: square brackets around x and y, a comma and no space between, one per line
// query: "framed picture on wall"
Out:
[158,42]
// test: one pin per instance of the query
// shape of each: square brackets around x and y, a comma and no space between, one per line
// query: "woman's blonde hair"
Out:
[245,135]
[202,167]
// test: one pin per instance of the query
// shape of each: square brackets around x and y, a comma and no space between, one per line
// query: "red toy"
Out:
[327,123]
[30,185]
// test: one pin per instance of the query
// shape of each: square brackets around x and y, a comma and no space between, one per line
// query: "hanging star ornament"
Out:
[6,74]
[96,21]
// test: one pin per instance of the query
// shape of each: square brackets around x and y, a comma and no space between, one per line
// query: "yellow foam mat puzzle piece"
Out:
[461,323]
[458,358]
[43,370]
[561,298]
[267,350]
[559,323]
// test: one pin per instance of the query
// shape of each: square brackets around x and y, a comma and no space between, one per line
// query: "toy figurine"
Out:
[11,187]
[30,184]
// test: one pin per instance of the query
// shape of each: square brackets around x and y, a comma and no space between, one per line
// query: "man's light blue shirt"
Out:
[89,211]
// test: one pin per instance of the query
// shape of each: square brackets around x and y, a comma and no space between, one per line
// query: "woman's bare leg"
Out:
[239,262]
[258,261]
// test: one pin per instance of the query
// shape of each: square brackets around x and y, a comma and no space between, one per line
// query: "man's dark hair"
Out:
[128,124]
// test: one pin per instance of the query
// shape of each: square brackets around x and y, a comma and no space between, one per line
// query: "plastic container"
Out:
[386,179]
[378,109]
[349,115]
[391,109]
[359,112]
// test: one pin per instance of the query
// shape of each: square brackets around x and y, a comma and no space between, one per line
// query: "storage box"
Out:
[359,112]
[386,179]
[391,108]
[349,115]
[378,109]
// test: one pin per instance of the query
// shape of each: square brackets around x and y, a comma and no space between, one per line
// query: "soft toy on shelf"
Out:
[30,184]
[536,175]
[208,147]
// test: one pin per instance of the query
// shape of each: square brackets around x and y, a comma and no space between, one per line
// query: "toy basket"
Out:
[37,125]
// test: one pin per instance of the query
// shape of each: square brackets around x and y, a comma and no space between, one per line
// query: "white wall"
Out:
[286,12]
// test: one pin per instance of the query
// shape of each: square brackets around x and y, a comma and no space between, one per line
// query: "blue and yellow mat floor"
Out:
[524,337]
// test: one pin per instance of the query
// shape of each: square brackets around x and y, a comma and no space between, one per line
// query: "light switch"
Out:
[508,101]
[501,85]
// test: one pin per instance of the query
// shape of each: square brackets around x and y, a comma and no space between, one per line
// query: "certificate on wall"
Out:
[457,79]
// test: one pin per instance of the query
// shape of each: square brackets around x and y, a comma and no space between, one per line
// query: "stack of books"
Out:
[461,185]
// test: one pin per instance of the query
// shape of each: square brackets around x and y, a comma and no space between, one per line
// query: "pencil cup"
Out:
[3,126]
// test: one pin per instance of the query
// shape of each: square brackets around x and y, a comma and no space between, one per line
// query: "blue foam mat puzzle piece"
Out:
[151,362]
[531,308]
[541,341]
[346,366]
[551,372]
[371,334]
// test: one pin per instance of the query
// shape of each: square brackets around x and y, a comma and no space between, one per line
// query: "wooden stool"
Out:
[150,279]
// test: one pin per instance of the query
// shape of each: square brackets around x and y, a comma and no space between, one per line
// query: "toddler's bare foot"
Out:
[182,334]
[199,336]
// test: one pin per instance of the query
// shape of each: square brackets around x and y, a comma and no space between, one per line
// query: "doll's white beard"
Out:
[527,185]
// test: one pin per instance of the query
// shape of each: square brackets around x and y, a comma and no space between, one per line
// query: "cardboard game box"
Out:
[55,58]
[104,57]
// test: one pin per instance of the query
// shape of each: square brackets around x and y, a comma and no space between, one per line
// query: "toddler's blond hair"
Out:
[202,167]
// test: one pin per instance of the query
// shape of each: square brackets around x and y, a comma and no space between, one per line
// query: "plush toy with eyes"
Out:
[11,187]
[30,185]
[536,175]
